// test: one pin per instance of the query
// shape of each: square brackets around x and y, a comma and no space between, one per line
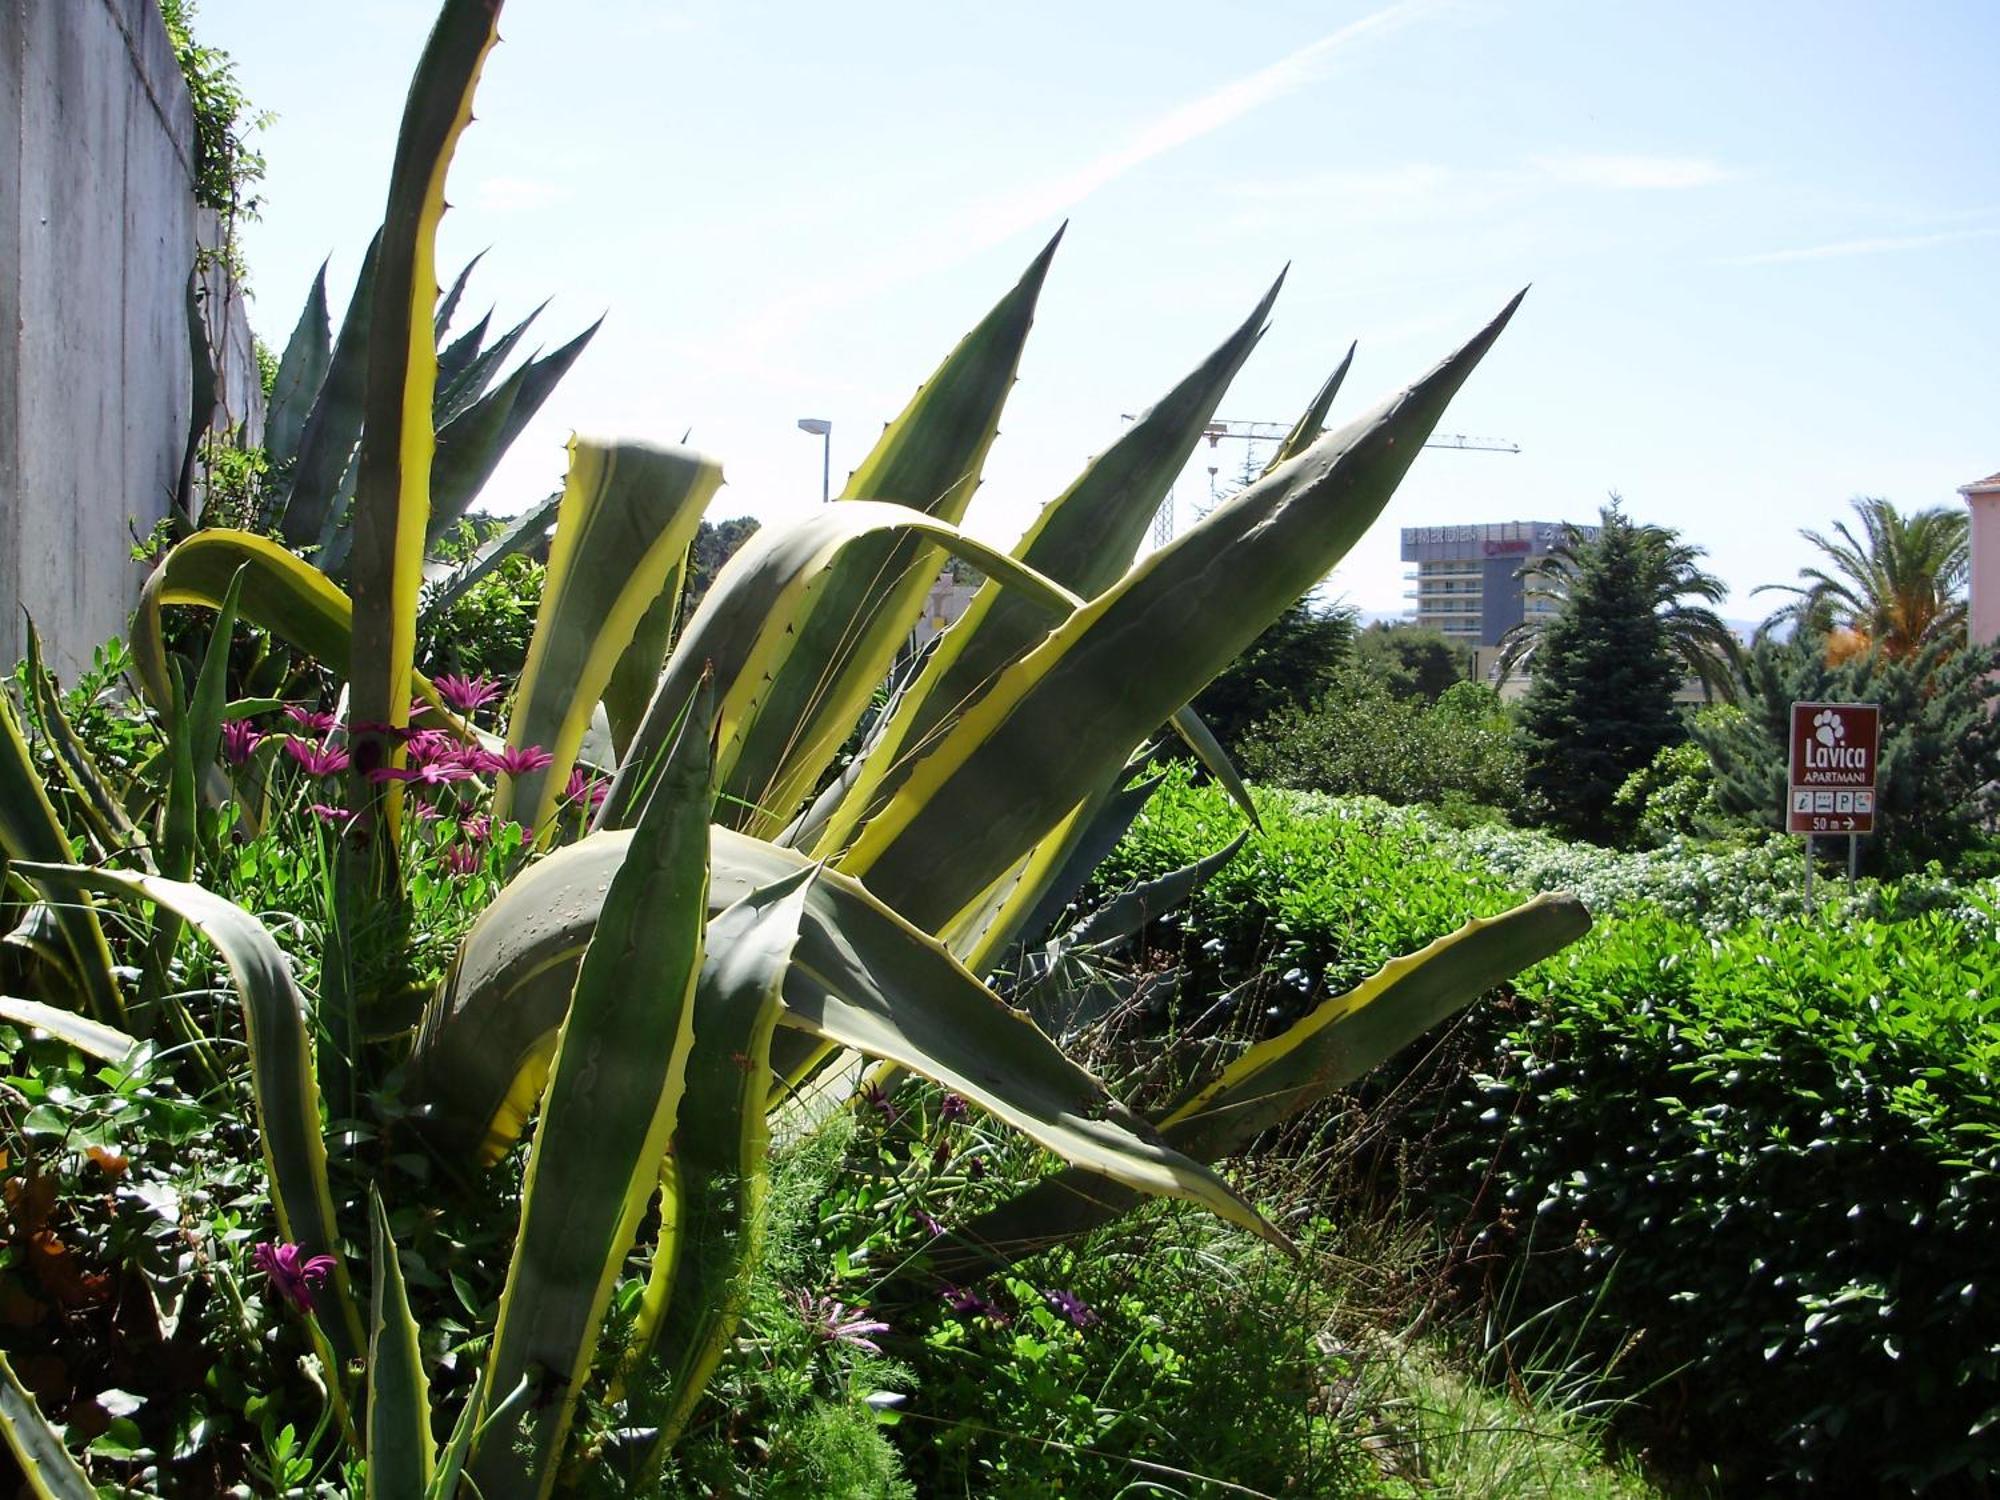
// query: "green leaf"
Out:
[291,599]
[301,372]
[1084,539]
[637,670]
[1342,1039]
[93,1038]
[401,1460]
[628,512]
[29,831]
[326,445]
[1062,722]
[612,1102]
[457,392]
[862,977]
[1312,423]
[44,1461]
[753,625]
[929,459]
[719,1170]
[448,306]
[281,1065]
[471,445]
[398,441]
[111,828]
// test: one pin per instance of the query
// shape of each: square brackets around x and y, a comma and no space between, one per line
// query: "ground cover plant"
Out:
[1752,1163]
[635,899]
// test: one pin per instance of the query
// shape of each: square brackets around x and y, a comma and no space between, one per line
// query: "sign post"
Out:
[1831,785]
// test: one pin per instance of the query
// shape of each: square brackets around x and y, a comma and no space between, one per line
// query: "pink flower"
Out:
[839,1324]
[430,773]
[462,859]
[466,693]
[337,817]
[429,744]
[478,828]
[316,760]
[515,761]
[586,789]
[239,740]
[294,1273]
[310,719]
[426,812]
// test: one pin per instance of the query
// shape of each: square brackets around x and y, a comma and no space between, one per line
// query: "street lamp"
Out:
[822,429]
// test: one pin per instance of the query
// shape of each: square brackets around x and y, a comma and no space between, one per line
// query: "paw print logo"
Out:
[1829,728]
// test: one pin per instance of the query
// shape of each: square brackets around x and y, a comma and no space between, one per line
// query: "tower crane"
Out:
[1253,433]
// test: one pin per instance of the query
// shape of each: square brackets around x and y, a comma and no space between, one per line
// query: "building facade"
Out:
[1466,579]
[1982,496]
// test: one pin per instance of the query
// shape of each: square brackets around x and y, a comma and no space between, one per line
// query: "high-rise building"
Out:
[1467,581]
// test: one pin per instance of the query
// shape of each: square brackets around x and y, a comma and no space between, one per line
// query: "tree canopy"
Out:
[1601,703]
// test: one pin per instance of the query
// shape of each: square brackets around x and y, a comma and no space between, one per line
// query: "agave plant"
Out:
[739,915]
[314,423]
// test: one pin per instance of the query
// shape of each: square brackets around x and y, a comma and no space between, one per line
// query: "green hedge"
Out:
[1772,1148]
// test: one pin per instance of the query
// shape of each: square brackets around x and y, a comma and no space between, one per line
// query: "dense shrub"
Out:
[1288,666]
[1360,738]
[1768,1150]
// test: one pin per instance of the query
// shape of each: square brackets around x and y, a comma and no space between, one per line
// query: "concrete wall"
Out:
[98,229]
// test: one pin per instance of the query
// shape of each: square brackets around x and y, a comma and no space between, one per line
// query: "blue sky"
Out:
[1763,239]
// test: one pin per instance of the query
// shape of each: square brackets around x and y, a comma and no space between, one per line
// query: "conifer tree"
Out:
[1602,701]
[1938,772]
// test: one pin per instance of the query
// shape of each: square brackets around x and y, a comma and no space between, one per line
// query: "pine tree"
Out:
[1602,701]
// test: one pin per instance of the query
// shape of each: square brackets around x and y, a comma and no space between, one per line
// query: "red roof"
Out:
[1990,485]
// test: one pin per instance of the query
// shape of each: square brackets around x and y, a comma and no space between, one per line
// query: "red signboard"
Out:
[1831,788]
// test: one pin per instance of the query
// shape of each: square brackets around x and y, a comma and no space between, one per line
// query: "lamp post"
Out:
[822,429]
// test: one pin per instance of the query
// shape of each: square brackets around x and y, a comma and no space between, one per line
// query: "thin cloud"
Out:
[997,218]
[1002,218]
[1880,245]
[1422,186]
[1632,173]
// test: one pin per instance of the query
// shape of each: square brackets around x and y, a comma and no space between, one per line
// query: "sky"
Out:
[1762,239]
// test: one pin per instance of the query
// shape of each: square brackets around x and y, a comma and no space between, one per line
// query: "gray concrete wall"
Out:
[98,229]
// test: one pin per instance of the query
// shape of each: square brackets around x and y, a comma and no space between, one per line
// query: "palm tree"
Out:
[1681,592]
[1896,588]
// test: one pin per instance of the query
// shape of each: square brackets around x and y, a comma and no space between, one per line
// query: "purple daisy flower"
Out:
[317,760]
[462,859]
[586,789]
[312,720]
[239,740]
[1071,1306]
[326,812]
[430,773]
[464,694]
[295,1274]
[951,1108]
[514,760]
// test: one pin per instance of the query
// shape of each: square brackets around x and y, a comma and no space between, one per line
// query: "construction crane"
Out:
[1250,434]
